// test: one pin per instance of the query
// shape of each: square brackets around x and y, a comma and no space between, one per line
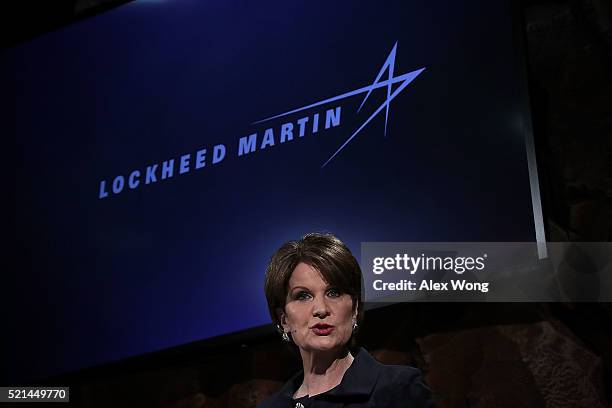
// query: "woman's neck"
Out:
[323,371]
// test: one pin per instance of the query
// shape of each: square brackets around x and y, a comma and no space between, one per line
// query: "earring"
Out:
[283,333]
[354,326]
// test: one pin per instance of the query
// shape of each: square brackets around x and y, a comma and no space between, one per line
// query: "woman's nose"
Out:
[320,309]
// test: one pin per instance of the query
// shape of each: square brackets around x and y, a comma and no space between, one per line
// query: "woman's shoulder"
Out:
[283,396]
[386,373]
[394,374]
[398,384]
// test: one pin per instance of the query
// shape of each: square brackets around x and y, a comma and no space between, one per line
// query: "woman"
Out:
[313,288]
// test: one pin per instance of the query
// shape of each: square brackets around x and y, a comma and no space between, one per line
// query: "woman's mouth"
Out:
[322,329]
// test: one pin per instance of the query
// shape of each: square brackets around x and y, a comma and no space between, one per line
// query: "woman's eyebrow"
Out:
[327,287]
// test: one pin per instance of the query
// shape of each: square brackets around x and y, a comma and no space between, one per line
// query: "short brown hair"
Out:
[324,252]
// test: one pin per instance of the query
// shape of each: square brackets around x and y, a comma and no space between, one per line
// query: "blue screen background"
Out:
[183,259]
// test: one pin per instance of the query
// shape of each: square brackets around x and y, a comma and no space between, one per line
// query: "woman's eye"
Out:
[333,293]
[302,296]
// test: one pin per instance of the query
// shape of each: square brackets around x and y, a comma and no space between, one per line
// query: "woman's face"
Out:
[318,317]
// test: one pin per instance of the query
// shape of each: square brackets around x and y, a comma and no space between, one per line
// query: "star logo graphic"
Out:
[388,66]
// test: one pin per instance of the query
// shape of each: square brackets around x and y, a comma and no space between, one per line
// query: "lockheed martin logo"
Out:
[274,135]
[389,67]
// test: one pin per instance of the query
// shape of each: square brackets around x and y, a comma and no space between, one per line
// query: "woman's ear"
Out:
[282,318]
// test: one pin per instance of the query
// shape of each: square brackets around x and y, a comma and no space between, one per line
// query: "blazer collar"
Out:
[358,380]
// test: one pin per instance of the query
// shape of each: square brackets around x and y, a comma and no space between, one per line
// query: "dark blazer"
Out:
[366,383]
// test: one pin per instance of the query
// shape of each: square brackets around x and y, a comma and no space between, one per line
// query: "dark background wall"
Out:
[475,355]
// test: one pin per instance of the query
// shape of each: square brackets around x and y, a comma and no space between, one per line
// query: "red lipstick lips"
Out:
[322,329]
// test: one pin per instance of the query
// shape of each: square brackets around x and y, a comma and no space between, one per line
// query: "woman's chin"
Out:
[323,344]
